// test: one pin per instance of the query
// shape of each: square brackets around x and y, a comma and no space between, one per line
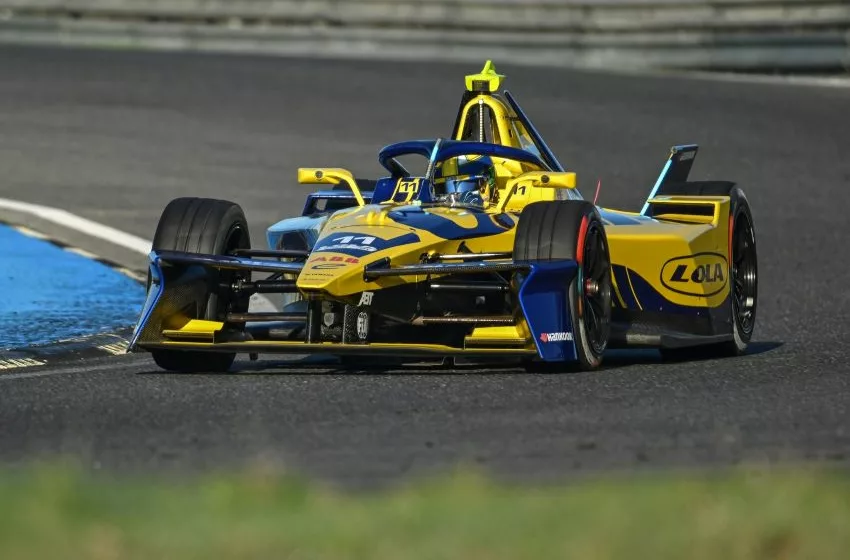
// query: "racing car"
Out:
[486,250]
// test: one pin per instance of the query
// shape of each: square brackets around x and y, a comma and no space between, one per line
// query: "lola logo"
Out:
[702,274]
[556,337]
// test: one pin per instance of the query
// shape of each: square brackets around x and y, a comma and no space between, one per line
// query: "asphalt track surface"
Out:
[114,135]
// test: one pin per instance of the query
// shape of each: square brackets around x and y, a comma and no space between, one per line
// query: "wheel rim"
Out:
[595,288]
[744,274]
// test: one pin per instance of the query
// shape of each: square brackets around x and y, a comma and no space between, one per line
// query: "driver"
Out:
[466,180]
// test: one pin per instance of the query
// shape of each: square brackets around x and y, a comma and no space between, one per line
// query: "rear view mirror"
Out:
[554,180]
[536,179]
[330,176]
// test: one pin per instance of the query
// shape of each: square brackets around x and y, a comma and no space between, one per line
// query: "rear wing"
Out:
[676,170]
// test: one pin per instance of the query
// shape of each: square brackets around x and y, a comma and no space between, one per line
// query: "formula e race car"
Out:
[487,250]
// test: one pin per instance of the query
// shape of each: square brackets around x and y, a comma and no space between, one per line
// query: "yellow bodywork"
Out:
[195,330]
[678,257]
[347,275]
[652,249]
[534,186]
[655,250]
[510,336]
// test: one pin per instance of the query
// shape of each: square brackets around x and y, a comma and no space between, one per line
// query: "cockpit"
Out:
[492,144]
[453,172]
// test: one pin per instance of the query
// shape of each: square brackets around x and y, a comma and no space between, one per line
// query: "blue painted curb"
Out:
[50,291]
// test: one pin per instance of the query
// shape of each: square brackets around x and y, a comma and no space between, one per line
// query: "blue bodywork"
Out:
[418,217]
[544,302]
[453,148]
[154,294]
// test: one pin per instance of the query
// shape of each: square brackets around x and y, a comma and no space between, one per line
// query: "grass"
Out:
[59,512]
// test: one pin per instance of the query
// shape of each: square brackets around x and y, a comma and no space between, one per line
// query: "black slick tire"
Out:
[572,229]
[212,227]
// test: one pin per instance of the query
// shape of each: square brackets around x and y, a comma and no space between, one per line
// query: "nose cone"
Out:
[336,264]
[330,272]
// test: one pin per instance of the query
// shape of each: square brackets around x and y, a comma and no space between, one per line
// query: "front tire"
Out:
[572,229]
[212,227]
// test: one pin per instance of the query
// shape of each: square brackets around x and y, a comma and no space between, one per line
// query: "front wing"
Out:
[180,282]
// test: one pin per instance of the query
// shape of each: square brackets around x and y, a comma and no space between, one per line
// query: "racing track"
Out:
[113,136]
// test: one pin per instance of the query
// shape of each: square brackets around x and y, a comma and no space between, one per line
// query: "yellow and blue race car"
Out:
[486,249]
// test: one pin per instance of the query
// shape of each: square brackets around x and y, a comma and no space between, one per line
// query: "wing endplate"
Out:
[545,305]
[676,169]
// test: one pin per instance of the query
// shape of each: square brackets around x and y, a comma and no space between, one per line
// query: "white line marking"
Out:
[258,303]
[78,223]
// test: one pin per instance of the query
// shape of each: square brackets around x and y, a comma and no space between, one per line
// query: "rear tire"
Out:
[743,270]
[212,227]
[572,229]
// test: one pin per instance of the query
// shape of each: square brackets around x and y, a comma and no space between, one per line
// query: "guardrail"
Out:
[710,34]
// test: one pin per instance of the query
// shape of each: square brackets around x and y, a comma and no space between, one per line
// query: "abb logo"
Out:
[556,337]
[347,260]
[327,263]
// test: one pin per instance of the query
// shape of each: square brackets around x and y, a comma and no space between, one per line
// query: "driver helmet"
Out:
[467,179]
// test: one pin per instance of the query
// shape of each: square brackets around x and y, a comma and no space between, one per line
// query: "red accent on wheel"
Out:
[582,233]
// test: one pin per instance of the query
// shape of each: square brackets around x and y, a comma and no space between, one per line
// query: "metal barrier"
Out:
[712,34]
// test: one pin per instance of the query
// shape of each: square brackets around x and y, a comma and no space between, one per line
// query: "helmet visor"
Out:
[464,184]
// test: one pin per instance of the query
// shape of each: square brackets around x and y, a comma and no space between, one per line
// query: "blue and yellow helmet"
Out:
[464,176]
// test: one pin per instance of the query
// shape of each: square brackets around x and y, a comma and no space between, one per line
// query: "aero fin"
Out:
[487,81]
[676,170]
